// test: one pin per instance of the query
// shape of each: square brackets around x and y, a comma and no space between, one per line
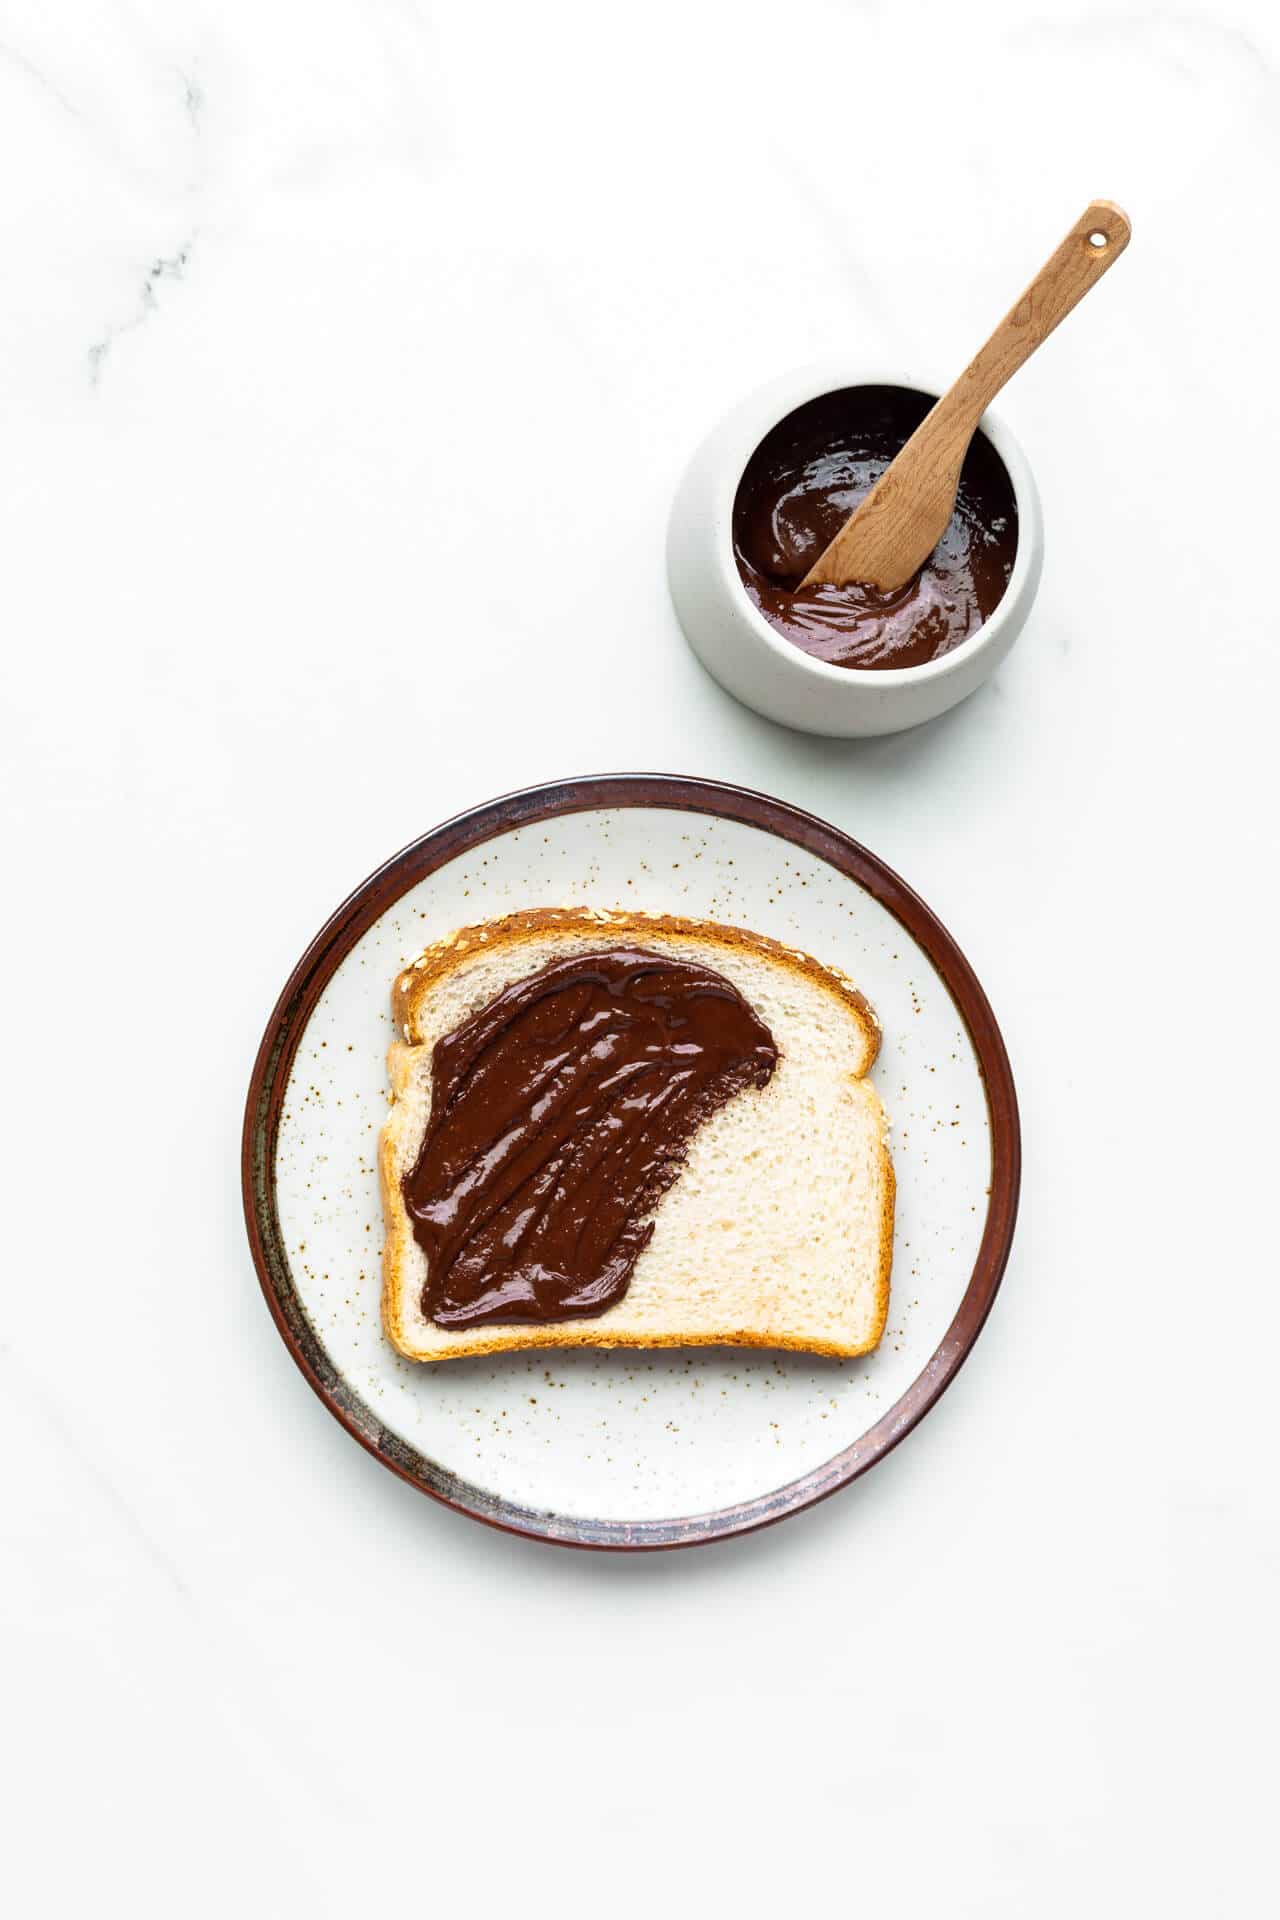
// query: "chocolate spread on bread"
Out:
[559,1113]
[800,486]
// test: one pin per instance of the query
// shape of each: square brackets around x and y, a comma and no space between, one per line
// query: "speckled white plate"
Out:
[626,1449]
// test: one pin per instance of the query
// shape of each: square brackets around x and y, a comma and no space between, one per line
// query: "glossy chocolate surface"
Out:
[800,486]
[559,1113]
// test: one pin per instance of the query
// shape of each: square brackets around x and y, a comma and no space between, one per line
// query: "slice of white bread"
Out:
[778,1231]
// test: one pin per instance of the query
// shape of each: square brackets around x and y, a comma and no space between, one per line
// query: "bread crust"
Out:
[415,982]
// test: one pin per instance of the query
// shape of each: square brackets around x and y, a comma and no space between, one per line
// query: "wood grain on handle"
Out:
[892,532]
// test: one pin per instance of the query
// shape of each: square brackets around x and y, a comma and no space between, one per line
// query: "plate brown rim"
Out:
[435,849]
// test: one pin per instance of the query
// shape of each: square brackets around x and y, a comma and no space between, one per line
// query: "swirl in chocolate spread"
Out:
[800,486]
[559,1113]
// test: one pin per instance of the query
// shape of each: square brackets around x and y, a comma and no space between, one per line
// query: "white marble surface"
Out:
[309,311]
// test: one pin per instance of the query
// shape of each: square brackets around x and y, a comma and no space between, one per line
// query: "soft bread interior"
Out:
[777,1232]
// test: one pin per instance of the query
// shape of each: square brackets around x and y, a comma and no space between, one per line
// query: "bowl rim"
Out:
[811,383]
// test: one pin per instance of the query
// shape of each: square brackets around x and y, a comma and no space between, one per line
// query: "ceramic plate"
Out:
[631,1449]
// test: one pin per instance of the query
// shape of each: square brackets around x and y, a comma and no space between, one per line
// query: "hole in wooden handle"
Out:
[1098,239]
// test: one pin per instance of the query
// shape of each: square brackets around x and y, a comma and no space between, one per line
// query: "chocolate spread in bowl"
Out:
[798,489]
[559,1113]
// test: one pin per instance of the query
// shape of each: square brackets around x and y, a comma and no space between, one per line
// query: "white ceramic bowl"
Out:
[748,657]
